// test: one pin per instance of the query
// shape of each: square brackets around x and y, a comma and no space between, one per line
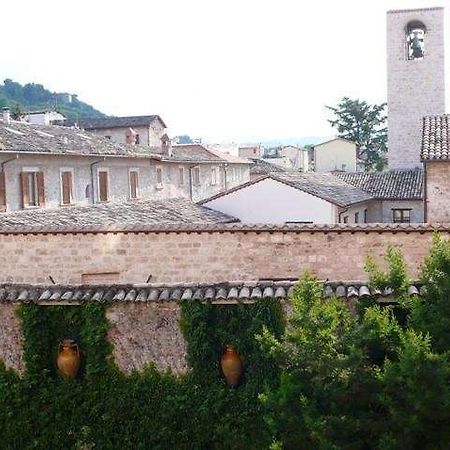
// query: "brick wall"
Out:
[335,253]
[437,192]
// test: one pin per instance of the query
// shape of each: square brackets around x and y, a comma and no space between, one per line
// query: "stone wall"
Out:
[209,254]
[416,88]
[437,185]
[11,353]
[145,333]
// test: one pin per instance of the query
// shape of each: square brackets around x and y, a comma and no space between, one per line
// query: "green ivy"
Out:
[105,409]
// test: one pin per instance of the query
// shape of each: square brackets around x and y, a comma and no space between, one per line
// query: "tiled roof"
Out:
[216,227]
[325,186]
[133,213]
[23,137]
[391,185]
[203,153]
[228,157]
[221,293]
[322,185]
[435,138]
[261,166]
[117,122]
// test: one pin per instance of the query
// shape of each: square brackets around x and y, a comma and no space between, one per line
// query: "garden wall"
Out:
[206,255]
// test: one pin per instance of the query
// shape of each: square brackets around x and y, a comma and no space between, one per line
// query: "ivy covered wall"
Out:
[106,408]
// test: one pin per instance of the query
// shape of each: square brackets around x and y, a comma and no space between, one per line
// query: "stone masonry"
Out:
[437,192]
[207,254]
[147,333]
[416,88]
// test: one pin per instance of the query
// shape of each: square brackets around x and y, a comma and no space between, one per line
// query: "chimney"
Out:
[6,115]
[166,146]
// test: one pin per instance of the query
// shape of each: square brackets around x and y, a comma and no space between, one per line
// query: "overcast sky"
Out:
[240,70]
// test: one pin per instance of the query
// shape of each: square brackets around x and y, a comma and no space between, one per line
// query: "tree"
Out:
[367,377]
[364,124]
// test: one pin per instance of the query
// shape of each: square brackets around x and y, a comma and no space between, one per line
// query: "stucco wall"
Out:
[205,256]
[269,201]
[335,155]
[118,169]
[416,88]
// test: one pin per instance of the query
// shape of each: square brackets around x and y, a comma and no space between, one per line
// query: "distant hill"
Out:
[34,97]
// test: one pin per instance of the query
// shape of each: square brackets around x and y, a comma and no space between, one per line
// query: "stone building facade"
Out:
[416,85]
[52,166]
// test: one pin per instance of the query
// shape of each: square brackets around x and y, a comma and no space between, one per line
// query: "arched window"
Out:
[415,39]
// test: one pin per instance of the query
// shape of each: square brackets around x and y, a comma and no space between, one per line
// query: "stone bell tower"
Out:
[416,85]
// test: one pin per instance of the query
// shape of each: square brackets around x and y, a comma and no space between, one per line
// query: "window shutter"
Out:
[134,189]
[25,190]
[67,188]
[103,186]
[40,188]
[2,192]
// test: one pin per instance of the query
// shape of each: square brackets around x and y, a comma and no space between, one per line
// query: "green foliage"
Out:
[105,409]
[378,377]
[365,125]
[33,96]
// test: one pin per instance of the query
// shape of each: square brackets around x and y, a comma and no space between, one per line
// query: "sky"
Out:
[235,70]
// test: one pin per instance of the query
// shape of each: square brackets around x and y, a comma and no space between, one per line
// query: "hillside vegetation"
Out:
[34,97]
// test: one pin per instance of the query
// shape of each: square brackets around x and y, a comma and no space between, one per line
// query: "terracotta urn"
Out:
[231,365]
[68,359]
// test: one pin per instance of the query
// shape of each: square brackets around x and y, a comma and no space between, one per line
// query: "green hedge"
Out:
[104,409]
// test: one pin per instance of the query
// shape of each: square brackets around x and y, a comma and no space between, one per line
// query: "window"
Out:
[365,216]
[356,217]
[66,186]
[134,183]
[33,191]
[137,139]
[108,137]
[159,178]
[181,176]
[415,37]
[196,176]
[214,175]
[103,186]
[345,219]
[401,215]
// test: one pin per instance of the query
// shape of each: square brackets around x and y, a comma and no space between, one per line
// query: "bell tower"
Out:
[416,84]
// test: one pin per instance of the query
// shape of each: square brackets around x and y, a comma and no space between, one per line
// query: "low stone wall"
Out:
[237,254]
[11,349]
[143,333]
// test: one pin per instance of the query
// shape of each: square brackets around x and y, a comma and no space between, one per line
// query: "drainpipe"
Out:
[225,177]
[7,161]
[2,164]
[425,199]
[91,167]
[191,194]
[340,214]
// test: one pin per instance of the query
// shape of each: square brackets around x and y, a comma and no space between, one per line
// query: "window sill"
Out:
[67,204]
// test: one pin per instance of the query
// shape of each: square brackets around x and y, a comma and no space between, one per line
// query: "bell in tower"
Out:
[415,34]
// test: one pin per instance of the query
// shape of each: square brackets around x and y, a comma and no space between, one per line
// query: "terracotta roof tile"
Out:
[436,138]
[226,292]
[129,214]
[390,185]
